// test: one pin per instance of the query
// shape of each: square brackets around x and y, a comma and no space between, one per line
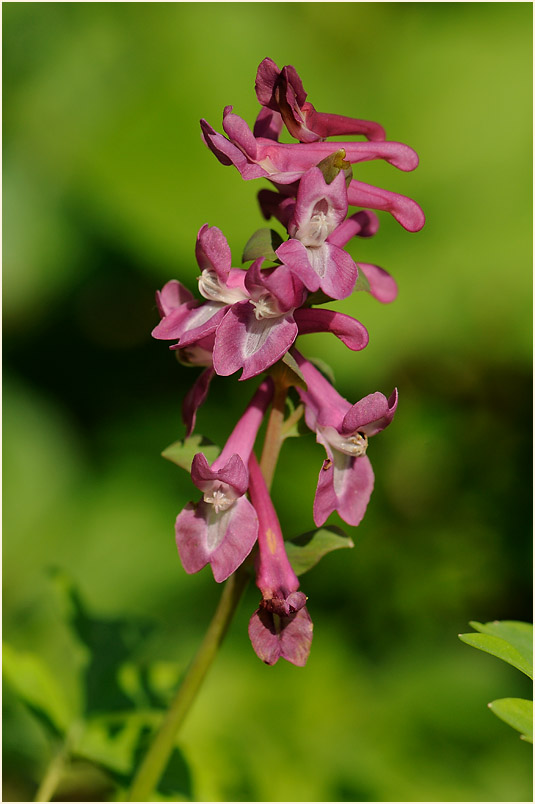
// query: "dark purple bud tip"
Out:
[285,607]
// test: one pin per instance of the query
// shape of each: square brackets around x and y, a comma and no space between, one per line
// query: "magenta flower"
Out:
[284,163]
[346,478]
[382,286]
[281,626]
[319,209]
[254,334]
[222,528]
[189,320]
[282,91]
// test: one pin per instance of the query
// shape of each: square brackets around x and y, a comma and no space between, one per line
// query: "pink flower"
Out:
[319,209]
[189,320]
[282,92]
[222,528]
[281,626]
[346,478]
[285,163]
[254,334]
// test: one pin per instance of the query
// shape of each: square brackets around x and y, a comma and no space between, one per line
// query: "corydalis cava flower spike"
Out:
[346,478]
[281,627]
[221,529]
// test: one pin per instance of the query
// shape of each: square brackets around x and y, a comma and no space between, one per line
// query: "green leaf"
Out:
[516,712]
[263,243]
[182,452]
[324,368]
[306,550]
[32,680]
[362,283]
[333,164]
[286,373]
[509,640]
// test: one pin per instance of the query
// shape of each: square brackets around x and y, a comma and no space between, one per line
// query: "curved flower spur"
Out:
[249,320]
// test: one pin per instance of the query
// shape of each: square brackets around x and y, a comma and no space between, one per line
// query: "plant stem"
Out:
[274,436]
[57,765]
[159,752]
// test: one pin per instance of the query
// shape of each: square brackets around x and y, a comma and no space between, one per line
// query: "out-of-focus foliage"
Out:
[106,183]
[513,642]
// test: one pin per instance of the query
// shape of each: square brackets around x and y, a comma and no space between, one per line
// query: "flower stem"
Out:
[56,768]
[159,752]
[274,435]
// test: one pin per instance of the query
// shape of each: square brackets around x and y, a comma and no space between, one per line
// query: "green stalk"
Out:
[156,759]
[274,434]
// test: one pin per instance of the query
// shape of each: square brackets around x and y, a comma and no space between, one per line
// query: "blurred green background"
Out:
[106,183]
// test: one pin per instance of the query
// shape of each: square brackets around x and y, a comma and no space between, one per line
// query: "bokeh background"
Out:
[106,183]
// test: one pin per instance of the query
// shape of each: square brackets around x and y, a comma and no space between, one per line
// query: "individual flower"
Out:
[319,209]
[255,334]
[346,478]
[221,529]
[282,91]
[281,626]
[188,320]
[284,163]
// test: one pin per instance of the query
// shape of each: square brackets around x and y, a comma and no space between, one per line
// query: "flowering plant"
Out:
[249,320]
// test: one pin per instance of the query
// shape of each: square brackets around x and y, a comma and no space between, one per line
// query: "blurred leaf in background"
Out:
[106,183]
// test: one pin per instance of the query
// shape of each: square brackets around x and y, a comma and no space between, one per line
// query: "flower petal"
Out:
[362,224]
[229,154]
[195,397]
[291,640]
[173,324]
[171,296]
[371,414]
[243,341]
[202,322]
[296,637]
[233,472]
[336,125]
[268,124]
[264,637]
[348,329]
[213,252]
[222,539]
[383,286]
[295,256]
[239,539]
[403,209]
[345,485]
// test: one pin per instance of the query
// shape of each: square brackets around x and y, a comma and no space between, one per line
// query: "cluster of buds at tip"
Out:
[248,320]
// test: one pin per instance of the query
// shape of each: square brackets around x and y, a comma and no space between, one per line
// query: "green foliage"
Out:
[516,712]
[34,683]
[306,550]
[121,700]
[507,639]
[288,373]
[512,642]
[262,243]
[183,452]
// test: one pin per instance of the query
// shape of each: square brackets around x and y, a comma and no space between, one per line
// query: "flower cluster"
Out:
[249,320]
